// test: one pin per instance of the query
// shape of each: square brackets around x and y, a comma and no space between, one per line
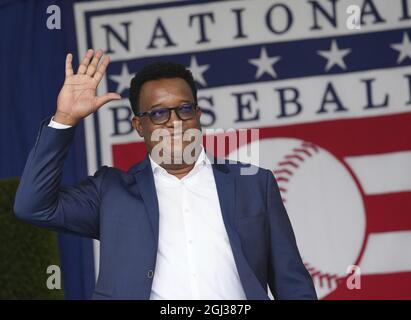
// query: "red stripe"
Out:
[349,137]
[127,154]
[388,212]
[376,287]
[352,137]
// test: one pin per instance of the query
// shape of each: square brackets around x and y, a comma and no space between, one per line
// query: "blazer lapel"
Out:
[145,182]
[226,193]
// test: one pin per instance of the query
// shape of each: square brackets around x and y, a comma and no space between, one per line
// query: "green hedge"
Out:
[25,253]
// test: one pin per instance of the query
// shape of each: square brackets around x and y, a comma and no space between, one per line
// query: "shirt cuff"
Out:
[57,125]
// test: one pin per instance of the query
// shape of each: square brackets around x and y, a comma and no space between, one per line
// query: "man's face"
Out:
[165,93]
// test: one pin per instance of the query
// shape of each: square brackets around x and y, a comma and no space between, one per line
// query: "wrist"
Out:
[65,119]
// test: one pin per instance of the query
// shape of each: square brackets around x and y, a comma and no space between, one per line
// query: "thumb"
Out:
[107,97]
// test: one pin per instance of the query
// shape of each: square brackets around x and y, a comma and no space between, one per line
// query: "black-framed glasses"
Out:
[185,111]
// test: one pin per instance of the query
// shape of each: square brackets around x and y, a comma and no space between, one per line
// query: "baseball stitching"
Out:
[286,168]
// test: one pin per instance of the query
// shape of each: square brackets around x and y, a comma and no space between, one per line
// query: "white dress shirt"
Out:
[58,125]
[194,257]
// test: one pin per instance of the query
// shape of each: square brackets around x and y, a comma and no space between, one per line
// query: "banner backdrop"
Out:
[328,83]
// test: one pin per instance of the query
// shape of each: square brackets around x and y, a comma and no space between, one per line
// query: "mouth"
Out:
[175,134]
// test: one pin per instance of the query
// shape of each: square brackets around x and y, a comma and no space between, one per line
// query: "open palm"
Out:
[77,98]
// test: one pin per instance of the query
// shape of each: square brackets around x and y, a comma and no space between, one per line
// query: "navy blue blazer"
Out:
[121,210]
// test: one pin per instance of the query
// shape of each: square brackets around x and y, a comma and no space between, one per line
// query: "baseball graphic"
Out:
[323,202]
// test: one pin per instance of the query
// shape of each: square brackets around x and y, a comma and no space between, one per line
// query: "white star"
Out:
[198,71]
[334,56]
[264,64]
[123,79]
[403,48]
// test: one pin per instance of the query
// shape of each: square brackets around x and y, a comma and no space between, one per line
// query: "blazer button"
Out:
[150,274]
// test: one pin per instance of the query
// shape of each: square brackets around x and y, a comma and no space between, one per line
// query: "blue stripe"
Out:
[299,59]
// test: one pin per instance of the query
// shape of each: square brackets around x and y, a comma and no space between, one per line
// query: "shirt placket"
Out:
[189,241]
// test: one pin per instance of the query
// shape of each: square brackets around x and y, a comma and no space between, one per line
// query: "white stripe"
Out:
[383,173]
[351,92]
[387,252]
[222,30]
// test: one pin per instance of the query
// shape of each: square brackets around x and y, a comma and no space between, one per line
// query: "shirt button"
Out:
[150,274]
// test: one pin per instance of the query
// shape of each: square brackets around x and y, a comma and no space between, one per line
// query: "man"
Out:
[169,228]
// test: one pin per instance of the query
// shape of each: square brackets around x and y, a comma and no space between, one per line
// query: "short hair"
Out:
[156,71]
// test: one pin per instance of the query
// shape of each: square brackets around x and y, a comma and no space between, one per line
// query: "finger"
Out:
[69,66]
[101,69]
[84,64]
[92,67]
[102,100]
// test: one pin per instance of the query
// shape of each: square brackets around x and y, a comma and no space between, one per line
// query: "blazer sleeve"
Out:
[287,276]
[42,201]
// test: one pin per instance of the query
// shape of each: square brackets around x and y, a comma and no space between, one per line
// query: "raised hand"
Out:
[77,98]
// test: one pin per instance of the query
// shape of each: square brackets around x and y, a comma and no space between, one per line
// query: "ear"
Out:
[137,125]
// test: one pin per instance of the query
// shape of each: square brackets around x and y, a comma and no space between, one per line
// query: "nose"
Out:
[173,118]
